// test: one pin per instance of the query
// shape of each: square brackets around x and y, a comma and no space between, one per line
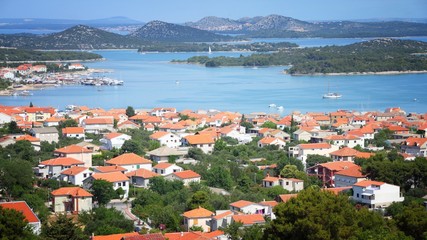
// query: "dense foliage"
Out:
[29,55]
[372,56]
[104,221]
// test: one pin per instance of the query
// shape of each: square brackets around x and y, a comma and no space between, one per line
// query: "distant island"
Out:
[163,36]
[22,55]
[379,55]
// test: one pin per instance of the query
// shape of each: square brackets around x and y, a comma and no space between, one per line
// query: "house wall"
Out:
[170,140]
[345,181]
[168,170]
[385,195]
[124,185]
[36,227]
[49,137]
[75,135]
[202,222]
[130,168]
[139,181]
[84,204]
[253,209]
[84,157]
[58,204]
[4,118]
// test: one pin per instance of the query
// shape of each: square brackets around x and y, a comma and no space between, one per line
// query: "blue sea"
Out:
[152,81]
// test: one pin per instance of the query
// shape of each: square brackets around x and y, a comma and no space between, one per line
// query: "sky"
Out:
[179,11]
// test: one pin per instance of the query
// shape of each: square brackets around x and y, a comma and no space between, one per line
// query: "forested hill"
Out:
[30,55]
[377,55]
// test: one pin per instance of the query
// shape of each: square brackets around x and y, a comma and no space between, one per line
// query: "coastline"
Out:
[360,73]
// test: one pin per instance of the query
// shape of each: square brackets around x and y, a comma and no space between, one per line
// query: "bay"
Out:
[152,81]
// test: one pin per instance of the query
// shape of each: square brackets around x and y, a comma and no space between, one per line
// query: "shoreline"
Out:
[60,61]
[360,73]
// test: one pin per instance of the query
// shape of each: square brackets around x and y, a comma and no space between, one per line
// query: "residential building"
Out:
[203,141]
[166,139]
[35,142]
[166,168]
[118,179]
[127,125]
[350,141]
[221,219]
[348,154]
[302,135]
[376,194]
[249,219]
[73,132]
[98,125]
[247,207]
[141,177]
[290,184]
[349,176]
[285,197]
[49,134]
[326,171]
[71,199]
[38,114]
[302,151]
[107,169]
[75,175]
[52,168]
[164,154]
[76,152]
[186,176]
[269,141]
[130,161]
[198,217]
[29,215]
[415,146]
[114,140]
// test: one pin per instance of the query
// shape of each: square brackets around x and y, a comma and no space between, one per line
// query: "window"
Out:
[124,184]
[287,183]
[84,175]
[196,221]
[119,184]
[357,195]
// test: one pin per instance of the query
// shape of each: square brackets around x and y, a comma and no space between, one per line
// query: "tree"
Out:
[102,191]
[314,159]
[413,221]
[12,127]
[219,176]
[200,198]
[234,231]
[69,123]
[16,177]
[269,124]
[291,171]
[31,105]
[132,146]
[163,186]
[130,112]
[13,225]
[62,229]
[219,145]
[316,214]
[105,221]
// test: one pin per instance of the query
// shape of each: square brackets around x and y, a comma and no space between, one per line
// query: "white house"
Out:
[29,215]
[301,151]
[166,168]
[349,177]
[187,177]
[114,140]
[98,125]
[49,134]
[376,194]
[302,135]
[290,184]
[75,175]
[71,199]
[141,177]
[54,167]
[203,141]
[118,179]
[5,118]
[73,132]
[248,207]
[267,141]
[415,146]
[348,154]
[198,217]
[130,161]
[76,152]
[350,141]
[166,139]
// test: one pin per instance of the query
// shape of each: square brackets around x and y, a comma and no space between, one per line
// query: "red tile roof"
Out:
[158,135]
[73,170]
[314,145]
[198,213]
[105,169]
[143,173]
[367,183]
[113,135]
[71,191]
[73,130]
[286,197]
[28,138]
[338,166]
[94,121]
[223,215]
[23,207]
[186,174]
[118,236]
[241,203]
[111,177]
[128,159]
[73,149]
[63,161]
[200,139]
[352,172]
[249,219]
[269,203]
[337,190]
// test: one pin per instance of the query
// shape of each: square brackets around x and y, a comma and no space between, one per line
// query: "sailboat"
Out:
[331,95]
[210,50]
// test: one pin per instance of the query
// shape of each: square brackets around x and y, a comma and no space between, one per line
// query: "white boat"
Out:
[332,95]
[280,108]
[176,82]
[210,50]
[272,105]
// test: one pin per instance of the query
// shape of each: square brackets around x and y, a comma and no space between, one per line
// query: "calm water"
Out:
[151,81]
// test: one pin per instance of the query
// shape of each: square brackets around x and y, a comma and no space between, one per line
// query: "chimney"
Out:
[182,234]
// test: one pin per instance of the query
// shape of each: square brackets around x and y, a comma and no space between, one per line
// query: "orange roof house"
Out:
[110,177]
[127,159]
[249,219]
[30,216]
[326,171]
[198,217]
